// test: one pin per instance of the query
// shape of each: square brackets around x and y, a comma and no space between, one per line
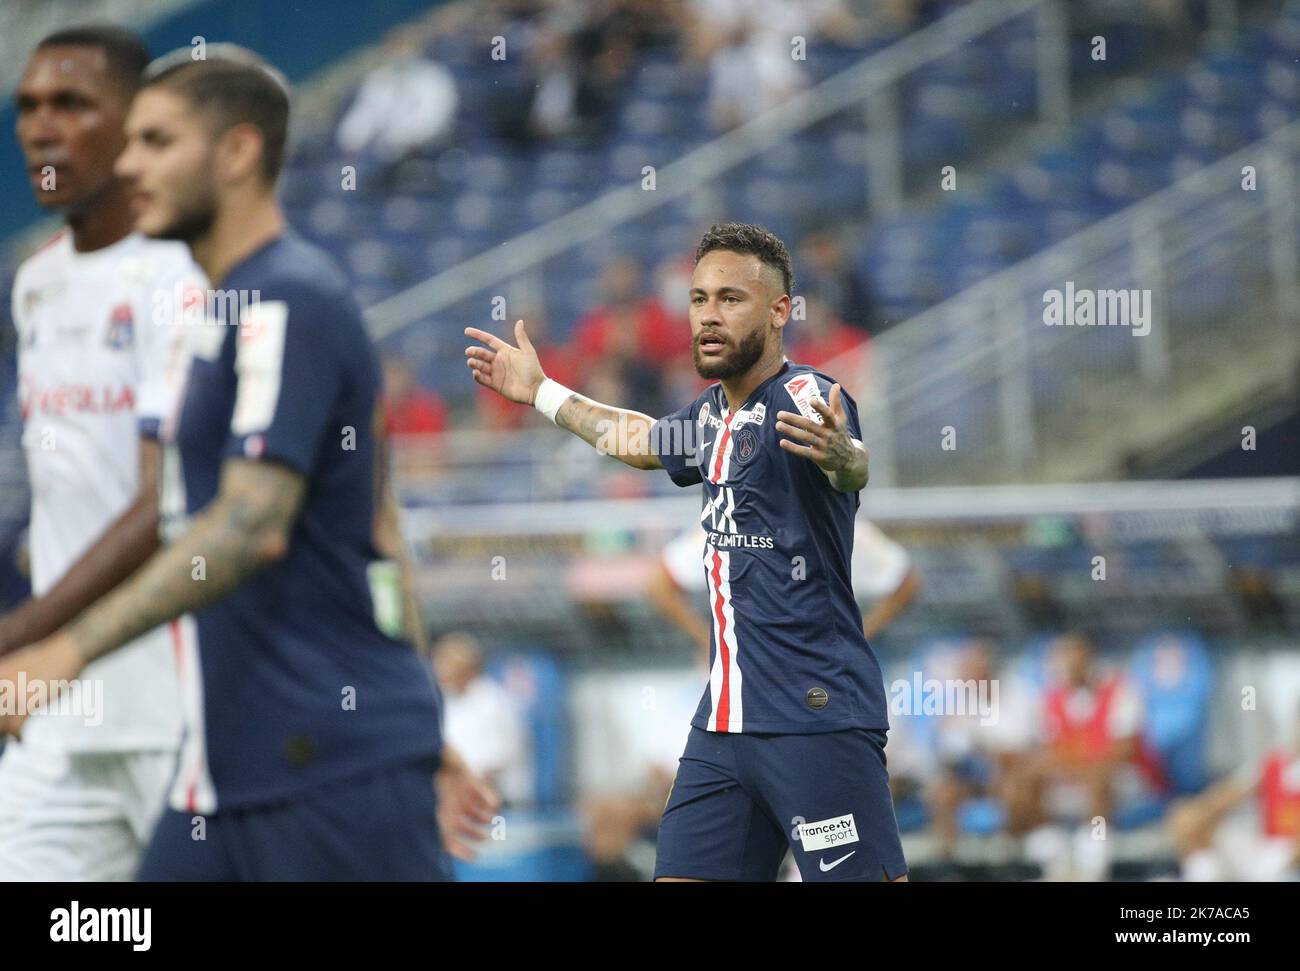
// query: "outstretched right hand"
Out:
[513,372]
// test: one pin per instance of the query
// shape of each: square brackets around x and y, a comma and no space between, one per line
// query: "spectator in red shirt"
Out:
[633,333]
[408,408]
[630,322]
[821,336]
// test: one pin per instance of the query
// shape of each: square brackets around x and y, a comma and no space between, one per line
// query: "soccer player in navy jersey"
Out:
[787,746]
[312,739]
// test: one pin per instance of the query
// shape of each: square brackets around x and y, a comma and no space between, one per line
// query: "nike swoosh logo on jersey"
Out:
[827,867]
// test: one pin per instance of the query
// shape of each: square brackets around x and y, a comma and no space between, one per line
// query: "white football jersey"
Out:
[879,564]
[101,359]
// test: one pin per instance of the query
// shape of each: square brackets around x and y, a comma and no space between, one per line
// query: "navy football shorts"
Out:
[741,800]
[382,825]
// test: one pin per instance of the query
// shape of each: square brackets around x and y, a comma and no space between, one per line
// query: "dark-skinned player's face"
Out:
[70,111]
[737,308]
[169,162]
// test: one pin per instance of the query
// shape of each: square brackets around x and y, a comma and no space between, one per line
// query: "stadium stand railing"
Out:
[1217,555]
[1217,253]
[869,87]
[782,168]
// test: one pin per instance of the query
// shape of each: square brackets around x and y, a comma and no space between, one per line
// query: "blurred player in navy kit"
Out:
[787,747]
[312,743]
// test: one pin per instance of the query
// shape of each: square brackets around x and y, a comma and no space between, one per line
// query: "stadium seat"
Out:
[1175,676]
[537,682]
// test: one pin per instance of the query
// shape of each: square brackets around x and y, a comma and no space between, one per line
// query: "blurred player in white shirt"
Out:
[482,720]
[100,366]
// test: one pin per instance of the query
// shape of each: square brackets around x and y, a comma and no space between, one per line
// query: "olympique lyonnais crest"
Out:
[121,327]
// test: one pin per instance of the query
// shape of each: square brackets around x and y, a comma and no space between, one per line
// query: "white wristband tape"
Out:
[550,395]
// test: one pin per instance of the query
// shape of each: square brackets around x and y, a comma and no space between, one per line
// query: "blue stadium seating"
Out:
[1175,676]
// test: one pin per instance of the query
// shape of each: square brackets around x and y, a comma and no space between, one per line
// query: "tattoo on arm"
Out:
[246,528]
[854,476]
[612,431]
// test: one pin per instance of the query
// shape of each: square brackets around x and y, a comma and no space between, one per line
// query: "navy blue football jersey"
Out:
[290,680]
[787,652]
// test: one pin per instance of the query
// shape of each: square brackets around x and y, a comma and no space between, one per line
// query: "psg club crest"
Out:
[746,444]
[121,328]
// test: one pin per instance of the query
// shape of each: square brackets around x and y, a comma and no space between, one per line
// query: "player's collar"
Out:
[786,364]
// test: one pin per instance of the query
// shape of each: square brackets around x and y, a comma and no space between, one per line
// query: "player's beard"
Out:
[195,214]
[747,353]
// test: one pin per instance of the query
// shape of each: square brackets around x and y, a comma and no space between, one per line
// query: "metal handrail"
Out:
[855,84]
[1117,228]
[984,503]
[905,370]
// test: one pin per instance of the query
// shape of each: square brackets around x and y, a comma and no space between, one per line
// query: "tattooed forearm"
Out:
[245,528]
[853,476]
[612,431]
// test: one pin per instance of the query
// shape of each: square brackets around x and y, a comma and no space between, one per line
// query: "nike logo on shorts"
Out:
[826,867]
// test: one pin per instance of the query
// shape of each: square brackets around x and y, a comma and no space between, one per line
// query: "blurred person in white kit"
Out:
[483,720]
[101,358]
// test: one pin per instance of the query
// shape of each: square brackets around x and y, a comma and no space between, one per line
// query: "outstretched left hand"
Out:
[827,443]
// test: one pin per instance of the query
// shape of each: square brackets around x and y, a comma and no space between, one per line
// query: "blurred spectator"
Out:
[973,753]
[552,74]
[576,60]
[672,287]
[1093,757]
[631,321]
[747,45]
[650,23]
[1214,844]
[482,719]
[409,408]
[632,333]
[612,824]
[620,827]
[824,273]
[405,106]
[822,337]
